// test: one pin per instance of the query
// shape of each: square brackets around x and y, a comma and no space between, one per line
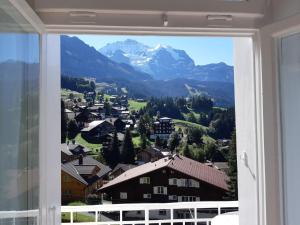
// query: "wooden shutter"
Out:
[155,190]
[165,190]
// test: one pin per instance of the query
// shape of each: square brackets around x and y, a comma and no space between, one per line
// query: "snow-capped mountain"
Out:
[162,62]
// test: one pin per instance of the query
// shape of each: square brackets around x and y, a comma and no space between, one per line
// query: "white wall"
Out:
[285,8]
[246,131]
[50,181]
[290,108]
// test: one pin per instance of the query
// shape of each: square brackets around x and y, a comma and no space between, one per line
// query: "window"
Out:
[66,178]
[160,190]
[162,212]
[173,197]
[147,196]
[172,181]
[145,180]
[123,195]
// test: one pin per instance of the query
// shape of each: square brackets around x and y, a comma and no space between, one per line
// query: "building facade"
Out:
[162,128]
[171,179]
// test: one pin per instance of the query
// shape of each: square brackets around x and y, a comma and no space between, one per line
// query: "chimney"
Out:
[80,160]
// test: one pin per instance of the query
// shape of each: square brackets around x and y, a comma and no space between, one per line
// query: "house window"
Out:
[173,181]
[67,192]
[145,180]
[185,198]
[173,197]
[123,195]
[147,196]
[66,178]
[160,190]
[162,212]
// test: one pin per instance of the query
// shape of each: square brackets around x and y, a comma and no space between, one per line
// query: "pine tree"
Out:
[232,172]
[158,142]
[144,142]
[112,153]
[128,152]
[187,151]
[73,129]
[173,141]
[64,121]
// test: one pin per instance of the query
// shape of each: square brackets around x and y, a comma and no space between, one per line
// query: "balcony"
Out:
[183,213]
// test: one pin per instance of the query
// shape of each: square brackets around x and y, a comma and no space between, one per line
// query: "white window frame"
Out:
[123,195]
[147,196]
[265,109]
[145,180]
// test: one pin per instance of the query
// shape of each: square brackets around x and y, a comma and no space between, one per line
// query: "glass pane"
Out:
[290,108]
[19,117]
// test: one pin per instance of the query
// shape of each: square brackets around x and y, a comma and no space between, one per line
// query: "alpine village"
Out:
[121,147]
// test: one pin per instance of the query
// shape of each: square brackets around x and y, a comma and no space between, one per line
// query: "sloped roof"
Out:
[71,170]
[88,165]
[181,164]
[92,125]
[71,149]
[123,166]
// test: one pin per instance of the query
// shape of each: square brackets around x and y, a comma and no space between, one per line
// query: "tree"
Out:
[144,142]
[112,153]
[128,152]
[191,118]
[187,151]
[73,129]
[158,142]
[174,141]
[195,135]
[210,150]
[107,107]
[232,194]
[64,121]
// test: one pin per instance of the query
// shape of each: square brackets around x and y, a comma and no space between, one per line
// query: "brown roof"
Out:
[87,167]
[124,167]
[181,164]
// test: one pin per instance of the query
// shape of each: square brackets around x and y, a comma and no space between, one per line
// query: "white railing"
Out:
[200,213]
[10,217]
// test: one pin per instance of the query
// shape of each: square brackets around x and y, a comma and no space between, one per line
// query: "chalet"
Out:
[108,138]
[151,154]
[96,131]
[170,179]
[162,128]
[119,169]
[71,152]
[82,177]
[86,116]
[116,111]
[70,114]
[117,123]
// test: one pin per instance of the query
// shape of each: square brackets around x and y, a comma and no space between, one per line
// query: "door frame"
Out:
[269,38]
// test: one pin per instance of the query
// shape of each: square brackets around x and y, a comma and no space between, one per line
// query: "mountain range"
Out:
[165,62]
[145,72]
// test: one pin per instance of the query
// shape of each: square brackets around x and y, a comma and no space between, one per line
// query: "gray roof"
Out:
[123,166]
[71,170]
[93,125]
[88,165]
[71,149]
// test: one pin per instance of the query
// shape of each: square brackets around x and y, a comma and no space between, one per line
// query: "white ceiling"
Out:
[89,14]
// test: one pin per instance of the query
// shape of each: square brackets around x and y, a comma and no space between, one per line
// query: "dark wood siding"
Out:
[135,190]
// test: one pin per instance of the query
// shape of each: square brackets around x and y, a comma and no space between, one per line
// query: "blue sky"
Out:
[203,50]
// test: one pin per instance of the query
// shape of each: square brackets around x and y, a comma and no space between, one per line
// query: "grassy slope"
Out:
[134,105]
[93,147]
[186,124]
[66,92]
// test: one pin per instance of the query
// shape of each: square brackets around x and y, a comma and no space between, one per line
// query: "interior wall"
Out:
[285,8]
